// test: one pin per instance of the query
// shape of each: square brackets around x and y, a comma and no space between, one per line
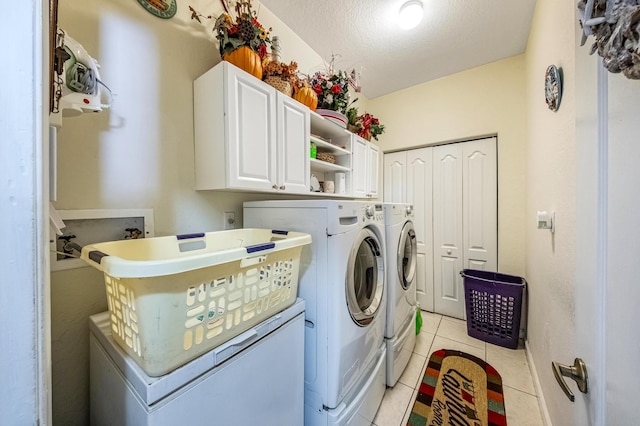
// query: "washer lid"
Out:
[407,255]
[365,278]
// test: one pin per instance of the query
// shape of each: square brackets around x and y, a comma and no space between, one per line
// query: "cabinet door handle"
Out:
[275,187]
[282,187]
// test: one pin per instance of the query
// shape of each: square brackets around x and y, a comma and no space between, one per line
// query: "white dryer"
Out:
[400,336]
[342,276]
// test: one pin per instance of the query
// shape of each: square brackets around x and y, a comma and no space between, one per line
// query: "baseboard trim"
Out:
[546,419]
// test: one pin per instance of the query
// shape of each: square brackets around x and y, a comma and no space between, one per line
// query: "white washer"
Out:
[400,336]
[262,368]
[342,276]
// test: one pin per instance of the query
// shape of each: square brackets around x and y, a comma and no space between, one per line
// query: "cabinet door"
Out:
[373,169]
[250,132]
[360,157]
[447,230]
[293,145]
[395,177]
[419,165]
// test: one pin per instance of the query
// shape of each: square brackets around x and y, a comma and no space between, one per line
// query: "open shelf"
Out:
[329,195]
[323,127]
[331,138]
[327,167]
[322,145]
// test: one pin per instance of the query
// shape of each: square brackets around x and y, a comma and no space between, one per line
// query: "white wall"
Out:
[487,100]
[24,282]
[139,154]
[551,185]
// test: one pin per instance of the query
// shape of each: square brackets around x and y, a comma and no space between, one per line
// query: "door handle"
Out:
[577,372]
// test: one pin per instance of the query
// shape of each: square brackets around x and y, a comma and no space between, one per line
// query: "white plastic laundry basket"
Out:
[174,298]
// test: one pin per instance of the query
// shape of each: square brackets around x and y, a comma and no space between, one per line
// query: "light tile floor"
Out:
[441,332]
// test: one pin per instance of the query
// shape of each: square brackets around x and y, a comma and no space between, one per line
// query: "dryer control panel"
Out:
[373,213]
[408,212]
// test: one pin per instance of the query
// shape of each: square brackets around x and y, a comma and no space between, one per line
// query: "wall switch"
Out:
[229,220]
[546,220]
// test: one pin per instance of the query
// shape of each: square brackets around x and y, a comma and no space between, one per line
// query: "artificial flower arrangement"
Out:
[370,126]
[234,36]
[280,75]
[352,120]
[282,70]
[332,89]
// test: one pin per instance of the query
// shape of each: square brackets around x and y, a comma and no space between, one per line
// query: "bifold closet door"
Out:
[464,218]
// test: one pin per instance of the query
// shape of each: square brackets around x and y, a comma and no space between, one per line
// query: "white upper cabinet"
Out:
[293,145]
[366,168]
[251,137]
[248,136]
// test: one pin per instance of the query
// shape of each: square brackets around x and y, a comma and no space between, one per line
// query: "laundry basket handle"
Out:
[260,247]
[97,255]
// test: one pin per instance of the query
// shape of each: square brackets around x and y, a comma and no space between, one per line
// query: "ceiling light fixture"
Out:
[410,14]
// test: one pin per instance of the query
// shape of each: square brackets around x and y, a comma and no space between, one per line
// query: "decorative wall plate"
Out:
[553,87]
[164,9]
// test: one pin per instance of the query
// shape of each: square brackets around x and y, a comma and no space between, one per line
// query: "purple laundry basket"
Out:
[494,305]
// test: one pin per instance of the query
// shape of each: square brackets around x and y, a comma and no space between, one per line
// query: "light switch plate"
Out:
[546,220]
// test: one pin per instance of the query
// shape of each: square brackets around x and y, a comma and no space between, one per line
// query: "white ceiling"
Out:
[454,35]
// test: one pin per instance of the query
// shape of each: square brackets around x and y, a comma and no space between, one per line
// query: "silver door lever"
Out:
[577,372]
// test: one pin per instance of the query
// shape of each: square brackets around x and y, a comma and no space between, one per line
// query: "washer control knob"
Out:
[368,212]
[409,210]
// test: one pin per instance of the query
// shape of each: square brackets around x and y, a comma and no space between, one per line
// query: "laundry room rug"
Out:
[461,389]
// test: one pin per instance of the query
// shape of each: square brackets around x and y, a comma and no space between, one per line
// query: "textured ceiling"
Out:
[454,35]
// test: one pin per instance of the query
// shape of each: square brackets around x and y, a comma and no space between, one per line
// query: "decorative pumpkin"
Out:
[306,96]
[247,60]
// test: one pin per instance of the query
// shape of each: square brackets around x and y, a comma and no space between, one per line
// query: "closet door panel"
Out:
[395,177]
[420,194]
[449,288]
[447,230]
[480,204]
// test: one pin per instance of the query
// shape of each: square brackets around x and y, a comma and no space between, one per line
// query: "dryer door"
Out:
[407,255]
[365,278]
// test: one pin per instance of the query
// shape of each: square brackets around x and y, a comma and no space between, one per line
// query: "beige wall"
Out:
[488,100]
[139,154]
[551,185]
